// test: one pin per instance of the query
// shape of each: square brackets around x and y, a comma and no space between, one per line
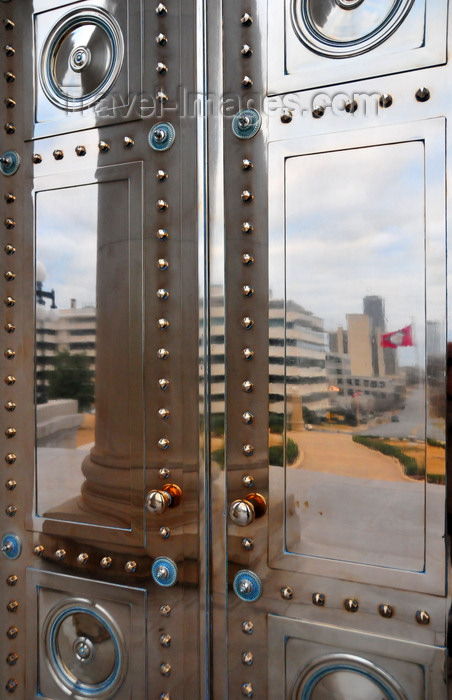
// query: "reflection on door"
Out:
[348,365]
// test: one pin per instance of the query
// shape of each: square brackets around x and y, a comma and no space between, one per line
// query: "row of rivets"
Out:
[352,605]
[81,150]
[10,77]
[83,558]
[384,101]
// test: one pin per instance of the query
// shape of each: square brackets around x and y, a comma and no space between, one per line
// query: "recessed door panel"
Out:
[322,43]
[357,432]
[84,55]
[88,381]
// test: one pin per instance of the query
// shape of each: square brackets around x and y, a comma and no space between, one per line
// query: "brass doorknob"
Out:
[245,510]
[158,502]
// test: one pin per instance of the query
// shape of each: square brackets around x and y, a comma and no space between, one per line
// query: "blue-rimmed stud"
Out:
[246,123]
[9,162]
[164,571]
[247,586]
[161,136]
[11,546]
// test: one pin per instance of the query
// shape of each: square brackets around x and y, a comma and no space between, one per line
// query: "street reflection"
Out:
[347,358]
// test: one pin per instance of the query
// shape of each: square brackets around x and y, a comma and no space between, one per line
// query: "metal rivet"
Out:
[161,39]
[9,197]
[247,480]
[247,196]
[385,101]
[165,669]
[10,458]
[9,223]
[164,384]
[106,562]
[164,413]
[247,658]
[11,510]
[162,353]
[130,567]
[10,77]
[162,205]
[11,484]
[286,116]
[162,294]
[248,353]
[10,103]
[9,327]
[247,227]
[58,154]
[9,249]
[247,322]
[247,690]
[9,380]
[9,24]
[161,68]
[287,593]
[247,291]
[423,94]
[318,111]
[36,158]
[10,406]
[9,301]
[165,640]
[247,417]
[162,264]
[162,233]
[386,610]
[38,550]
[162,97]
[422,617]
[10,432]
[12,658]
[248,544]
[128,142]
[318,599]
[12,632]
[165,696]
[60,554]
[161,9]
[247,259]
[12,606]
[247,386]
[161,175]
[248,449]
[10,276]
[9,128]
[351,605]
[351,106]
[247,627]
[165,532]
[164,473]
[163,323]
[165,610]
[247,81]
[247,164]
[82,558]
[80,150]
[163,443]
[246,19]
[103,146]
[11,685]
[9,354]
[12,580]
[246,51]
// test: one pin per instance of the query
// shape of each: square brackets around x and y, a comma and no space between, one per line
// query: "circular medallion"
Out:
[345,677]
[85,650]
[344,28]
[81,58]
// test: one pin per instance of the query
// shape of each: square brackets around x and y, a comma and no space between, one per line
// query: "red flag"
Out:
[401,338]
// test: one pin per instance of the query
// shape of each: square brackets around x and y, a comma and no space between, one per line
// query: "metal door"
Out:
[224,357]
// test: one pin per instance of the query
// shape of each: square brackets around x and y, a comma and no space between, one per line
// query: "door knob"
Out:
[243,511]
[159,501]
